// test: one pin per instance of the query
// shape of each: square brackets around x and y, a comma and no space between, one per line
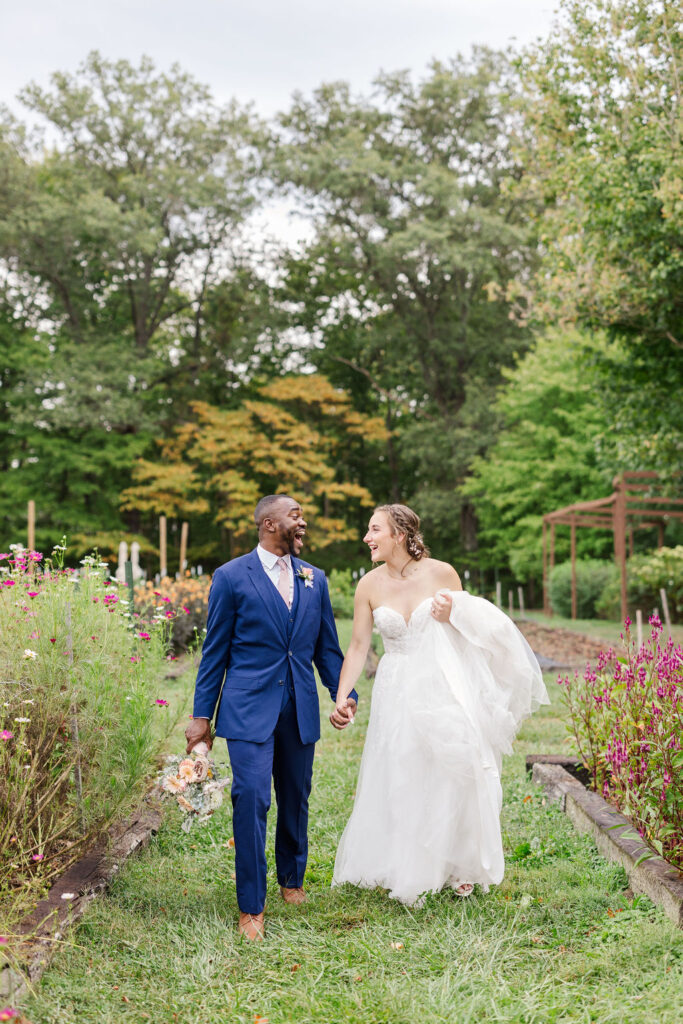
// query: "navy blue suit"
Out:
[257,667]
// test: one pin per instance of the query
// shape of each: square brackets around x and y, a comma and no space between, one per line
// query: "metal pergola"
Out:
[631,506]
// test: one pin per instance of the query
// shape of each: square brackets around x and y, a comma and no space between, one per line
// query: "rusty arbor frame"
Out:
[628,508]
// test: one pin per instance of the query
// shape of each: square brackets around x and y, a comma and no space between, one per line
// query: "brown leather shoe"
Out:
[252,927]
[293,896]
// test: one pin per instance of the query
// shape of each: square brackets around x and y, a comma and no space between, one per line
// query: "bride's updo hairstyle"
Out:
[403,520]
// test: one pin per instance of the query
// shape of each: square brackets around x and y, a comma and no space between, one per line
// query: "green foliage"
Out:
[546,454]
[342,588]
[645,575]
[115,240]
[417,235]
[592,576]
[604,104]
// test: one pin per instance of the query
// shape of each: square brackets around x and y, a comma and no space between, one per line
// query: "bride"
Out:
[456,680]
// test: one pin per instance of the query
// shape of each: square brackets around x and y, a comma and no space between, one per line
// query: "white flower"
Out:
[22,719]
[68,895]
[30,654]
[28,702]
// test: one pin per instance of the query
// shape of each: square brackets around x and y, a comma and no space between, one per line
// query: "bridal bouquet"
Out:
[196,783]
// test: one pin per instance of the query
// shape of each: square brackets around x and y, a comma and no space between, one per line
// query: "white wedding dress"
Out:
[447,701]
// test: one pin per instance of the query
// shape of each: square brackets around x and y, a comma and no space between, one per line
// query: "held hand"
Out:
[343,714]
[198,731]
[441,607]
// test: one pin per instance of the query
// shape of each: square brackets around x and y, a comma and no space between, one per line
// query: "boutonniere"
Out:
[305,574]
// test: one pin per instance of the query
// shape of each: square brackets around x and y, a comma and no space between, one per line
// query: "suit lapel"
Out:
[304,594]
[267,592]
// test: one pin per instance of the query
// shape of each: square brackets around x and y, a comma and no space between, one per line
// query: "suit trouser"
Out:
[290,764]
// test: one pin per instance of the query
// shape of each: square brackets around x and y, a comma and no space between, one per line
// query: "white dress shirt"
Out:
[272,569]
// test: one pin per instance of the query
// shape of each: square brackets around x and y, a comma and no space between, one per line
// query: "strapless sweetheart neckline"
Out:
[408,620]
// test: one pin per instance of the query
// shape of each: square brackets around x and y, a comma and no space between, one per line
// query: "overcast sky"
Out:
[263,50]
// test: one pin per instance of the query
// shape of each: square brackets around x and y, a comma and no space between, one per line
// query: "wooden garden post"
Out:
[32,525]
[573,557]
[619,521]
[183,547]
[546,601]
[163,570]
[552,562]
[520,597]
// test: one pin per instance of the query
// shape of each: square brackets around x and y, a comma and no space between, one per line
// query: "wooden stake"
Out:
[546,605]
[619,523]
[665,608]
[639,628]
[183,548]
[511,603]
[163,570]
[78,778]
[499,594]
[573,557]
[520,597]
[32,525]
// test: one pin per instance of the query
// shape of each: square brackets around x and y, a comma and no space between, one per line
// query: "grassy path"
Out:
[561,940]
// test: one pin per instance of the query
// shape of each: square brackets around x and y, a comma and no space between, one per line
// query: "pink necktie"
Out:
[283,582]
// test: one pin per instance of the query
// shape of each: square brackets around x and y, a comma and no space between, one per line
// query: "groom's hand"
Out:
[343,716]
[198,731]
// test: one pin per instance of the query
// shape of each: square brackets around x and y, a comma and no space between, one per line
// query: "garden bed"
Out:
[38,933]
[614,834]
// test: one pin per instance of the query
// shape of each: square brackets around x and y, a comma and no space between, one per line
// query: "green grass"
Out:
[561,940]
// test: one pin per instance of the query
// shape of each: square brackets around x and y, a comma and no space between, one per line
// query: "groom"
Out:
[270,619]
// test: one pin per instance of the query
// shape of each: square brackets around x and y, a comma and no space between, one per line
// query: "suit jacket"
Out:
[255,645]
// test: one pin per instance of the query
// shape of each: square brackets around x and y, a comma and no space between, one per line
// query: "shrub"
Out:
[184,602]
[592,576]
[342,590]
[79,727]
[627,720]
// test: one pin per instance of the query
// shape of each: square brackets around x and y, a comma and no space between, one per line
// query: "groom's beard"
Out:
[292,542]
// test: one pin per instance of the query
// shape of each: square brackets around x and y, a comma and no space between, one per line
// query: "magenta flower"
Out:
[33,593]
[144,636]
[8,1013]
[8,583]
[37,856]
[161,703]
[6,735]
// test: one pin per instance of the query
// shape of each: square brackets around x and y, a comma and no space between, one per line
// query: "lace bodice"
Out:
[399,636]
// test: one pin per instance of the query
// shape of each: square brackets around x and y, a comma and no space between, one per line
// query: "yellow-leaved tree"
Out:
[297,435]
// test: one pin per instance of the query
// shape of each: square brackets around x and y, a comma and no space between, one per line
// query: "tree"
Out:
[123,227]
[293,435]
[604,102]
[415,220]
[553,426]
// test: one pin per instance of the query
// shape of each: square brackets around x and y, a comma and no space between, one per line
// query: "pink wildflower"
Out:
[161,703]
[37,856]
[6,735]
[144,636]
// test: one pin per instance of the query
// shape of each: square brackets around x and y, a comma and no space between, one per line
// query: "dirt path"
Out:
[561,647]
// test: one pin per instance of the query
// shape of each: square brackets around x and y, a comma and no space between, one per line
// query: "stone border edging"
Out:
[55,914]
[588,812]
